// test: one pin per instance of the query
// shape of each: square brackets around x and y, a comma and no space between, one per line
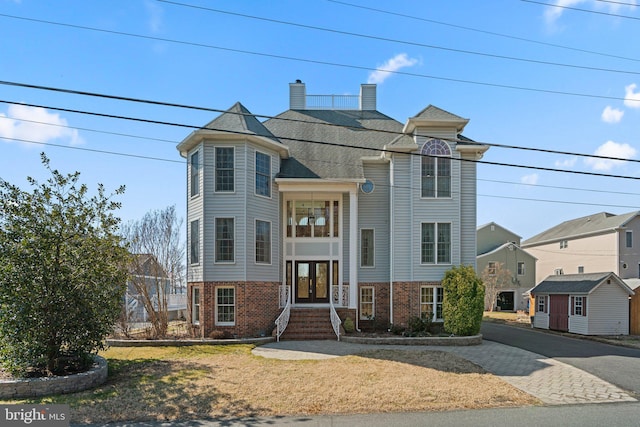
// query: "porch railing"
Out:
[335,319]
[283,320]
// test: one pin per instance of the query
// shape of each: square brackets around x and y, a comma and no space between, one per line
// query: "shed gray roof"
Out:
[311,135]
[576,283]
[592,224]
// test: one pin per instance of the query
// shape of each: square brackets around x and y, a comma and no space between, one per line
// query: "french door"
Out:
[312,282]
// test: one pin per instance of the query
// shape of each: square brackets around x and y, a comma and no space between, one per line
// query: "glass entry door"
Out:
[312,281]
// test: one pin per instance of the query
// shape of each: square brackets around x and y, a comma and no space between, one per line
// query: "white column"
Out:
[353,248]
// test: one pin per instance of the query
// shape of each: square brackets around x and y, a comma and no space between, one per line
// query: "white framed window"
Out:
[521,269]
[194,244]
[431,298]
[225,306]
[558,271]
[225,172]
[194,163]
[263,174]
[629,239]
[436,243]
[436,169]
[578,306]
[564,244]
[580,269]
[367,303]
[195,306]
[263,242]
[225,240]
[541,304]
[491,268]
[367,254]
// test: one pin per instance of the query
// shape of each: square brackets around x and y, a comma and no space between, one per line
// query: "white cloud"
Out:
[394,64]
[554,11]
[610,149]
[612,115]
[567,163]
[530,179]
[631,97]
[26,123]
[156,15]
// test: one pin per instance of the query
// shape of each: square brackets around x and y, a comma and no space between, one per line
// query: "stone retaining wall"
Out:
[31,387]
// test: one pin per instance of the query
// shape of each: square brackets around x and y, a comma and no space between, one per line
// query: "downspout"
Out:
[353,251]
[391,228]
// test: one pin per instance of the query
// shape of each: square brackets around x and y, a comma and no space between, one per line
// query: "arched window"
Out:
[436,169]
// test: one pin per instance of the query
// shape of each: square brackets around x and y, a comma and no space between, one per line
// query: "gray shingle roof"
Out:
[296,128]
[239,119]
[591,224]
[573,283]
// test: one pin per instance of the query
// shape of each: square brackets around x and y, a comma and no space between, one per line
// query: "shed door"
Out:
[559,312]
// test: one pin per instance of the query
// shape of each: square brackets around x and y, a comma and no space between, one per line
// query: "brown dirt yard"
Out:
[170,383]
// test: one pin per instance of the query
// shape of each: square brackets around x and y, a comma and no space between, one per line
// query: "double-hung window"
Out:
[578,306]
[263,242]
[541,304]
[436,243]
[367,305]
[436,169]
[225,239]
[225,173]
[263,174]
[366,247]
[195,173]
[195,306]
[225,306]
[431,298]
[521,270]
[194,243]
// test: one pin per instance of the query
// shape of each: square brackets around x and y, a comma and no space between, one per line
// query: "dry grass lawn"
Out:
[169,383]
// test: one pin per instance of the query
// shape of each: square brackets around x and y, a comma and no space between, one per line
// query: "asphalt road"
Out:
[615,364]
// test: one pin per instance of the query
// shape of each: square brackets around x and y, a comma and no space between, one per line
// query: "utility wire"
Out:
[319,62]
[183,162]
[492,33]
[193,107]
[403,42]
[326,143]
[583,10]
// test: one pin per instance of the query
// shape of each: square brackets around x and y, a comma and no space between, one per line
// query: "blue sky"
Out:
[525,74]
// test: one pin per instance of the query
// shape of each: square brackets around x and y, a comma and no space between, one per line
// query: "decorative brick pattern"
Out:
[31,387]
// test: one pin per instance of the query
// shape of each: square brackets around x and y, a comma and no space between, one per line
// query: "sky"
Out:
[545,83]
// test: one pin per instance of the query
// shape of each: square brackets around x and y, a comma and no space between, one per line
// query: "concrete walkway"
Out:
[552,382]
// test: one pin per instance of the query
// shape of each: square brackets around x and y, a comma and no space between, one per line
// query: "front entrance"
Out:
[505,301]
[312,282]
[559,312]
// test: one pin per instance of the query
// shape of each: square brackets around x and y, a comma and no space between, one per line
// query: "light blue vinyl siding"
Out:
[401,215]
[373,213]
[468,213]
[195,212]
[344,232]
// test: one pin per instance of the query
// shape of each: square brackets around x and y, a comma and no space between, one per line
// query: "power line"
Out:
[183,162]
[404,42]
[583,10]
[555,187]
[192,107]
[319,62]
[492,33]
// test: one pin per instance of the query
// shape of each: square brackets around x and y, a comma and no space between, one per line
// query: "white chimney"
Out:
[297,96]
[367,96]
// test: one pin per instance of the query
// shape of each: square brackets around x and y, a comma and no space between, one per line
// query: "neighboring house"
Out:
[146,270]
[634,306]
[497,245]
[587,304]
[330,203]
[599,242]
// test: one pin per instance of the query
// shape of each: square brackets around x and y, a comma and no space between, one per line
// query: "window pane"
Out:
[195,174]
[263,242]
[320,219]
[195,306]
[224,239]
[195,242]
[366,303]
[426,303]
[439,299]
[366,248]
[428,177]
[629,235]
[263,174]
[444,243]
[336,218]
[224,169]
[225,305]
[428,243]
[444,177]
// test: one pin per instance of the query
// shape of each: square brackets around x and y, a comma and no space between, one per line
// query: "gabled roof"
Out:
[236,122]
[577,283]
[434,116]
[316,140]
[632,283]
[506,246]
[593,224]
[487,225]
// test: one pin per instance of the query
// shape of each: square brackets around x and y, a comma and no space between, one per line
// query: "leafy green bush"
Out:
[463,303]
[348,325]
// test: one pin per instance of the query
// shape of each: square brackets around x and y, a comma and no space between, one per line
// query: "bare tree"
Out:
[158,264]
[495,279]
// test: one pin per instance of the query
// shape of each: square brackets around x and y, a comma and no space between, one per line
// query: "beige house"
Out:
[498,246]
[595,243]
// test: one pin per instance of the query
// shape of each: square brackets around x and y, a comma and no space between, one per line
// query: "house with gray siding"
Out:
[330,209]
[594,243]
[498,247]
